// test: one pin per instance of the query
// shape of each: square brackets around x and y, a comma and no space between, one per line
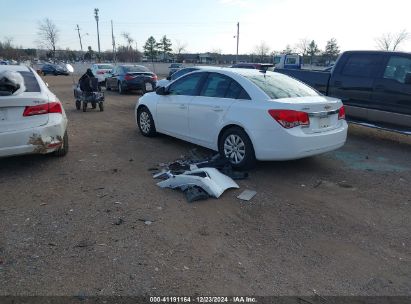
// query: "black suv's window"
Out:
[397,68]
[186,86]
[361,65]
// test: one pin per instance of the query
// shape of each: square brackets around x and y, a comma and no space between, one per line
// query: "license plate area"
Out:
[323,122]
[3,116]
[149,86]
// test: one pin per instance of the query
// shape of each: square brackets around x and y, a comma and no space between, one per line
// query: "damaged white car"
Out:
[32,119]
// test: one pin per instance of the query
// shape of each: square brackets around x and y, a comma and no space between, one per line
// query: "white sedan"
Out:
[32,119]
[101,71]
[246,115]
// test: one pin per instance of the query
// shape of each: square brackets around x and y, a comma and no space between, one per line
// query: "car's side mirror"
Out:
[407,79]
[168,78]
[161,91]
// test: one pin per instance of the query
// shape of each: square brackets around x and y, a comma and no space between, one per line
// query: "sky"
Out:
[210,25]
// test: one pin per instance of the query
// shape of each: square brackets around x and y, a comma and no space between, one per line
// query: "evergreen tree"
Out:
[312,50]
[165,46]
[151,48]
[331,50]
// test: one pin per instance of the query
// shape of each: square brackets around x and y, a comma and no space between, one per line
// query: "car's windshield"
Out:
[281,86]
[181,73]
[104,67]
[133,69]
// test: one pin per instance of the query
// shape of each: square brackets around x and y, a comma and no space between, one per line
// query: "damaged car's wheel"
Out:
[236,147]
[62,151]
[145,122]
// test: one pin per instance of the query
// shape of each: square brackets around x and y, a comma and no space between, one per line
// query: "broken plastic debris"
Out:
[247,195]
[194,193]
[209,179]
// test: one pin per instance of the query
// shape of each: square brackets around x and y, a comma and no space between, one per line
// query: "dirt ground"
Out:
[335,224]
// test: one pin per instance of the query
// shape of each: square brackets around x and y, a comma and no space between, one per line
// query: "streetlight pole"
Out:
[98,32]
[79,37]
[238,40]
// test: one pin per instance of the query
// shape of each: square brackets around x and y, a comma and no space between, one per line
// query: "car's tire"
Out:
[62,151]
[101,106]
[84,106]
[235,146]
[145,122]
[78,104]
[107,87]
[120,88]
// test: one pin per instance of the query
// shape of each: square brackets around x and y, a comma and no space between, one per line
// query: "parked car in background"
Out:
[179,73]
[174,67]
[101,71]
[32,119]
[287,61]
[246,115]
[257,66]
[54,69]
[131,77]
[375,86]
[4,62]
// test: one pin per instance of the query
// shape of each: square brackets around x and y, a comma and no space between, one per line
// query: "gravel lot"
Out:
[335,224]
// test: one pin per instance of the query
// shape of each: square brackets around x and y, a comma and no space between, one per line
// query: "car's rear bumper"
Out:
[43,139]
[285,144]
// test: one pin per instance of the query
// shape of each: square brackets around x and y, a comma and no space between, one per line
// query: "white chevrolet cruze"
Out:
[245,114]
[32,119]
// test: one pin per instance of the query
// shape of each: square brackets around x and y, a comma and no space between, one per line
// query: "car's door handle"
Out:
[217,109]
[182,106]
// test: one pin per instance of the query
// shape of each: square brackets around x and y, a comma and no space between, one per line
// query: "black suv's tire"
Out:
[237,148]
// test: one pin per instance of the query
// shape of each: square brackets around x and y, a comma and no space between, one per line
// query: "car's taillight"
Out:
[100,72]
[128,77]
[45,108]
[341,113]
[290,118]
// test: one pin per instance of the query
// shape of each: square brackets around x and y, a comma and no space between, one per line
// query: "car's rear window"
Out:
[104,67]
[281,86]
[30,82]
[132,69]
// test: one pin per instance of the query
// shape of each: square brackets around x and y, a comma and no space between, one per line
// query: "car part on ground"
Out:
[209,179]
[247,195]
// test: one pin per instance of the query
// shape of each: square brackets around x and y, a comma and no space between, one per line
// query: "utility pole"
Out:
[79,37]
[238,40]
[98,33]
[113,41]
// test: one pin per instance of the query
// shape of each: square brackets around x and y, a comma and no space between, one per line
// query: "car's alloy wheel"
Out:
[146,123]
[237,148]
[234,148]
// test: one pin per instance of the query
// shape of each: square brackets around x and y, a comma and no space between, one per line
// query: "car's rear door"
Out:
[391,92]
[172,109]
[353,79]
[206,111]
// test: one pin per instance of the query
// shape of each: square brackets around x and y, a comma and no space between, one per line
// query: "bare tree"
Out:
[262,50]
[390,41]
[128,39]
[302,46]
[48,35]
[179,48]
